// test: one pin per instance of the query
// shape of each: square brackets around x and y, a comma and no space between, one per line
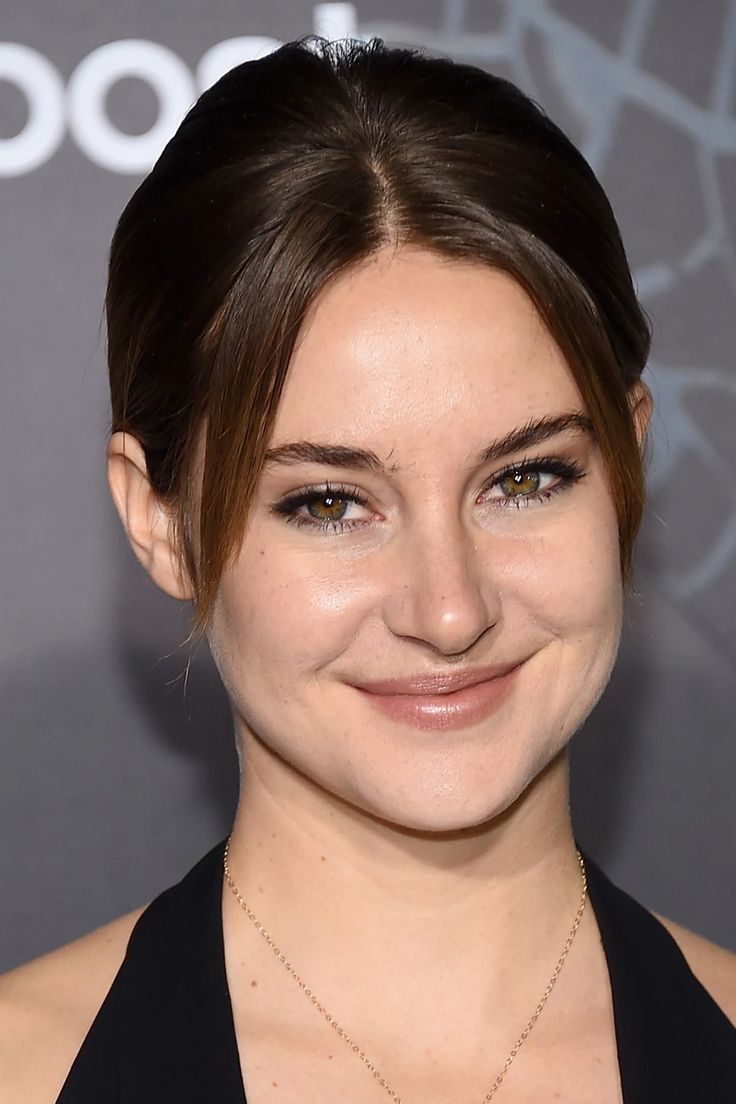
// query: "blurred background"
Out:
[113,780]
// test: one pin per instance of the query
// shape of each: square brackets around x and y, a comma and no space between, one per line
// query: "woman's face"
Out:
[434,555]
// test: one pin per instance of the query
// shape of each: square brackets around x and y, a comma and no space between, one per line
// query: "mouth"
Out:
[438,682]
[443,701]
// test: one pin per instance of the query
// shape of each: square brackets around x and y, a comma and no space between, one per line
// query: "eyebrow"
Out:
[345,456]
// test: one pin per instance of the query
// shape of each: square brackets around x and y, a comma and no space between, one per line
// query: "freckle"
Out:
[275,1084]
[330,1056]
[323,858]
[260,889]
[253,984]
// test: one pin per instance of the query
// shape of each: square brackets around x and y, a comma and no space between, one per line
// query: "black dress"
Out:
[165,1033]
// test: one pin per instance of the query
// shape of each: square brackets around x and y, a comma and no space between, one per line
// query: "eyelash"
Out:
[568,471]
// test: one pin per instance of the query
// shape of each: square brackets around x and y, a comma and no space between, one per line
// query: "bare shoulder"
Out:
[47,1007]
[713,966]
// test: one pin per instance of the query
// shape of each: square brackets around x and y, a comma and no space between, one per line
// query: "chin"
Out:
[452,818]
[455,805]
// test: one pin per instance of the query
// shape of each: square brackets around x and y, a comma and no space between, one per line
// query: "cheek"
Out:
[568,575]
[284,613]
[573,597]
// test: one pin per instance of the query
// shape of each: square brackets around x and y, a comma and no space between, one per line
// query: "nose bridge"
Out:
[441,591]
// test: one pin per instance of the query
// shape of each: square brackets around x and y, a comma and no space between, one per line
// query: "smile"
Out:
[447,710]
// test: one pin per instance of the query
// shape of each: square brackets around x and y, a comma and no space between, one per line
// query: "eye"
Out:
[328,507]
[532,481]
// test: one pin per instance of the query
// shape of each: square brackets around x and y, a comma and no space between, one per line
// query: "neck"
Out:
[484,911]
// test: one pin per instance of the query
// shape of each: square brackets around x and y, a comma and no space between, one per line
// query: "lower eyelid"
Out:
[338,525]
[519,501]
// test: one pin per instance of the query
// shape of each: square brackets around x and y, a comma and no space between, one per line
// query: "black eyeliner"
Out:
[308,494]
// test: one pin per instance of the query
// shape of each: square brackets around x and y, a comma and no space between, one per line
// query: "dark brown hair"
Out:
[291,169]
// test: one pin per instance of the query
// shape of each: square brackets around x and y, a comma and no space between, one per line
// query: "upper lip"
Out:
[438,682]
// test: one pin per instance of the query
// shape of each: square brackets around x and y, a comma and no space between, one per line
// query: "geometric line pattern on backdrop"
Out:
[596,83]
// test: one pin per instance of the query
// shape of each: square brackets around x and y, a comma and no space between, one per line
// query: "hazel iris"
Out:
[335,507]
[520,482]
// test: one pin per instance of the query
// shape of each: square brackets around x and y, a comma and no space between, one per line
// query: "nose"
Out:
[442,591]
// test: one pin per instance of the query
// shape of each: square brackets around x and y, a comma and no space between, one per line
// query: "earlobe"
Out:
[144,516]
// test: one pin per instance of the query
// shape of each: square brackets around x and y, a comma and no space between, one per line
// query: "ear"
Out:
[641,404]
[145,518]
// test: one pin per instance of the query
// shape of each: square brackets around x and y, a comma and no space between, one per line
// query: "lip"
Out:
[436,702]
[445,682]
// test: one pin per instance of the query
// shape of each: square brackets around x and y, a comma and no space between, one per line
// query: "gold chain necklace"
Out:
[354,1046]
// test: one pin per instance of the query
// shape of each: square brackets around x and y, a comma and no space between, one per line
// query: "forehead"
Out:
[410,344]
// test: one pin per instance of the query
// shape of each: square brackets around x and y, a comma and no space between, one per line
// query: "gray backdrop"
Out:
[112,782]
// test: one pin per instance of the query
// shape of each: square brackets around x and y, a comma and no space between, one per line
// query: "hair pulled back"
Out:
[286,172]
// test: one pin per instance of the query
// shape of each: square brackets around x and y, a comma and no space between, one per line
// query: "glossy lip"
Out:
[444,708]
[445,682]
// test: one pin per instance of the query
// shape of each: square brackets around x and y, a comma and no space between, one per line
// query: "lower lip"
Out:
[446,711]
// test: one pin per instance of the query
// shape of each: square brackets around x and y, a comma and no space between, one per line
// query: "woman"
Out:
[375,363]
